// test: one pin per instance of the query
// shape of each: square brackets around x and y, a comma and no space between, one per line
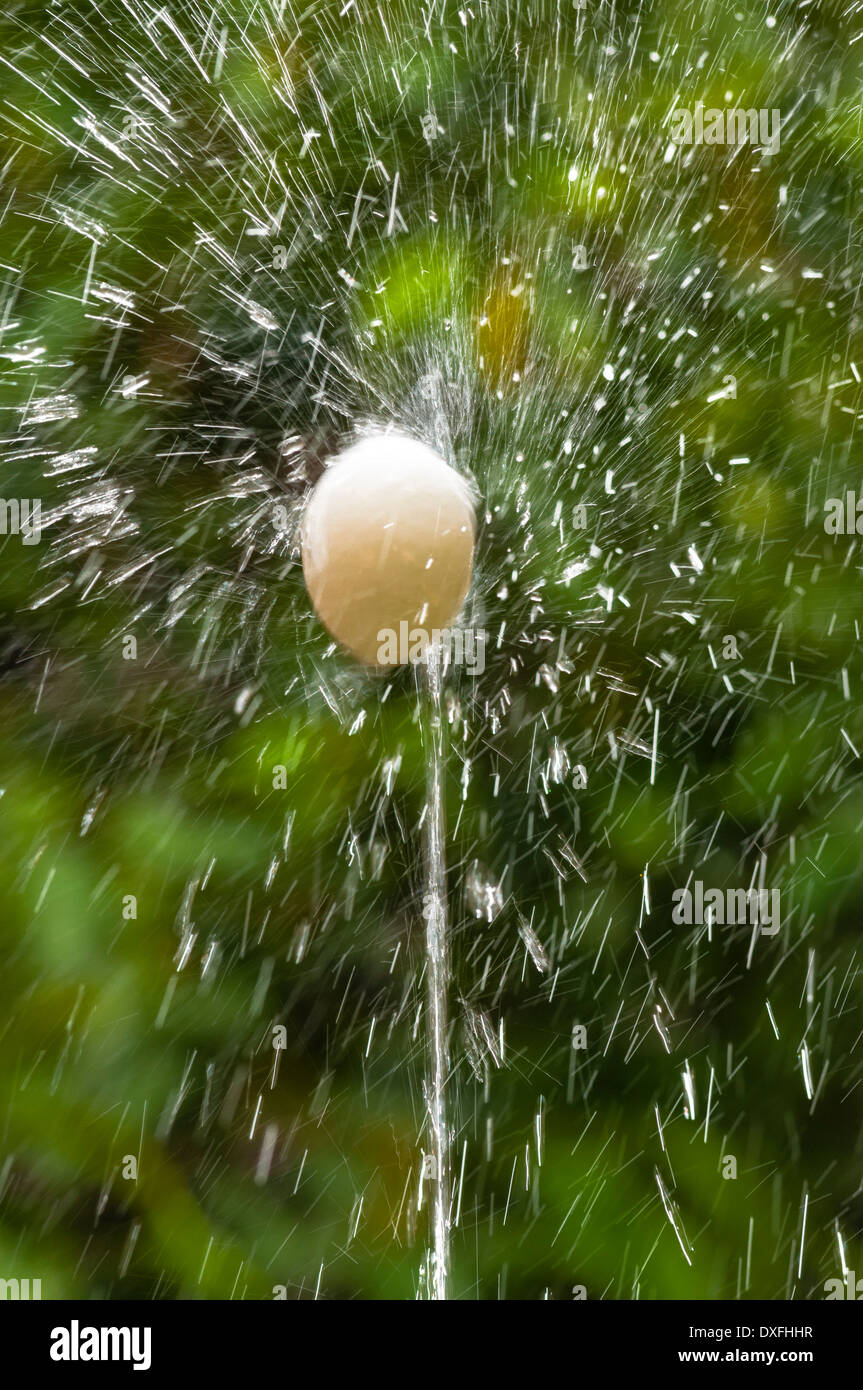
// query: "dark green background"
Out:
[150,170]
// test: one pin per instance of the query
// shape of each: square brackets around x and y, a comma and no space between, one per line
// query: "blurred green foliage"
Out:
[428,174]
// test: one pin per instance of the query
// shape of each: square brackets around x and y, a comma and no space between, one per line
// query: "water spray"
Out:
[388,540]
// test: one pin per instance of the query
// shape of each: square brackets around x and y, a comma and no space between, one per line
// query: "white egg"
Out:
[388,539]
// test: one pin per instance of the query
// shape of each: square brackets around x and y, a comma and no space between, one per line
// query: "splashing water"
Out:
[232,238]
[437,965]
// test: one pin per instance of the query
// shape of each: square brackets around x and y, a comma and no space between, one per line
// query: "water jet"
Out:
[388,539]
